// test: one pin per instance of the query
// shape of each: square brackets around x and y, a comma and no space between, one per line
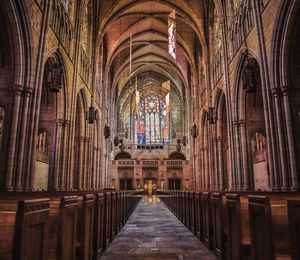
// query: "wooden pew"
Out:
[191,211]
[294,227]
[84,246]
[269,228]
[239,244]
[113,225]
[219,225]
[107,219]
[198,218]
[98,238]
[24,221]
[63,223]
[207,219]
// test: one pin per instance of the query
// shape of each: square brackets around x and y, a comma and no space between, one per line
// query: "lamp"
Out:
[178,146]
[55,77]
[106,130]
[91,115]
[116,140]
[184,140]
[248,75]
[212,115]
[194,131]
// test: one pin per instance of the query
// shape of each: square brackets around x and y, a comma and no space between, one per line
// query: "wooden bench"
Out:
[294,227]
[98,238]
[84,246]
[269,228]
[191,223]
[219,225]
[239,244]
[20,222]
[207,219]
[198,219]
[107,219]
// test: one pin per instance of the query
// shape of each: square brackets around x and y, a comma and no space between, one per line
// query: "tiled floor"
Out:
[153,232]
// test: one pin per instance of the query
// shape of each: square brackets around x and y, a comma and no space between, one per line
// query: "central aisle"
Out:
[153,232]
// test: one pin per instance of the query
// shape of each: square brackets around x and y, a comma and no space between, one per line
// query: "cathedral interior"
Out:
[141,123]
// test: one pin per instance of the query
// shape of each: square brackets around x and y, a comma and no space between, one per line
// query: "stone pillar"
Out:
[96,169]
[85,165]
[22,140]
[281,148]
[245,162]
[57,160]
[220,170]
[290,139]
[13,139]
[81,162]
[237,175]
[206,174]
[216,165]
[65,185]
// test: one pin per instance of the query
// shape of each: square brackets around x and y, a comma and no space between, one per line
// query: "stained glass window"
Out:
[151,121]
[172,34]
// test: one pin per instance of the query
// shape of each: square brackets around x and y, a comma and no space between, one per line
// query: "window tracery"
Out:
[151,121]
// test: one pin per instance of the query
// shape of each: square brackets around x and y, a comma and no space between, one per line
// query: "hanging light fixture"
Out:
[91,115]
[248,75]
[194,131]
[184,140]
[55,77]
[178,146]
[106,130]
[116,140]
[212,115]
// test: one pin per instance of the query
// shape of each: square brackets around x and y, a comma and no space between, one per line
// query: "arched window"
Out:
[151,121]
[2,115]
[217,32]
[86,27]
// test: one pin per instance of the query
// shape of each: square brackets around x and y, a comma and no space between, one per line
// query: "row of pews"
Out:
[240,226]
[62,225]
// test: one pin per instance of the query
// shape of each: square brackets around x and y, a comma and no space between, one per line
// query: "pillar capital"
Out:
[17,89]
[275,92]
[285,90]
[242,122]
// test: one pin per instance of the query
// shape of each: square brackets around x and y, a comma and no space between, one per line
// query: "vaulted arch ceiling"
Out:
[146,21]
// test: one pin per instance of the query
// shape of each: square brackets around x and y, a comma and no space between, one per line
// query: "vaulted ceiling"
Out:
[147,23]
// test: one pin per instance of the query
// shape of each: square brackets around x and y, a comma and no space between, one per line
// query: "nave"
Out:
[153,232]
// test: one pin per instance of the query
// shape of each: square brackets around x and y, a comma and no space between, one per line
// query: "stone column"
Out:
[22,140]
[80,175]
[220,162]
[215,168]
[65,185]
[290,139]
[13,139]
[57,160]
[86,164]
[206,174]
[280,130]
[245,162]
[237,175]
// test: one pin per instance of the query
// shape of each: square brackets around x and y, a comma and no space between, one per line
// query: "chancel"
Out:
[150,129]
